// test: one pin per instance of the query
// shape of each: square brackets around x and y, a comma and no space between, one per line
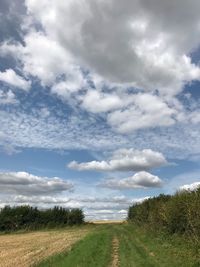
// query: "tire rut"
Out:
[115,252]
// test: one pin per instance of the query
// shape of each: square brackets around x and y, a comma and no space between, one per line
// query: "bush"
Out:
[179,213]
[27,217]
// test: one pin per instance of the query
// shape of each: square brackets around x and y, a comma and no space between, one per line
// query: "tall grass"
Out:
[179,213]
[140,247]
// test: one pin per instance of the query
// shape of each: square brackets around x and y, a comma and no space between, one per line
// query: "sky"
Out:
[99,102]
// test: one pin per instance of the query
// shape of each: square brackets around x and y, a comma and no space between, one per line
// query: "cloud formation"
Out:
[138,180]
[132,45]
[190,187]
[138,42]
[124,160]
[146,111]
[7,98]
[11,17]
[81,132]
[10,77]
[24,183]
[97,102]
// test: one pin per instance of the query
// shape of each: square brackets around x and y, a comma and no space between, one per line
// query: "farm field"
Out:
[27,249]
[102,245]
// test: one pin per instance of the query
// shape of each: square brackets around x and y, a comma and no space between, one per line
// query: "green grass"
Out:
[94,250]
[138,247]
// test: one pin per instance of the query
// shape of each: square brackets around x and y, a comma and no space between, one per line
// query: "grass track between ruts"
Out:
[137,248]
[93,251]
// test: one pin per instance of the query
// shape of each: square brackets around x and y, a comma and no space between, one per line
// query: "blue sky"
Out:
[99,102]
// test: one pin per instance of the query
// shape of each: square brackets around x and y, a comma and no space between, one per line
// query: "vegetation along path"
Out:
[126,245]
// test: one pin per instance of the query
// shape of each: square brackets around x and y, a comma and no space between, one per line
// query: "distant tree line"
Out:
[27,217]
[179,213]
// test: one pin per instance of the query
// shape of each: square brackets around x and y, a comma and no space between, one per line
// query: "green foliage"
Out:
[93,250]
[179,213]
[140,247]
[26,217]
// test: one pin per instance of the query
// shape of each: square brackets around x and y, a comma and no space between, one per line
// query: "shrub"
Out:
[179,213]
[27,217]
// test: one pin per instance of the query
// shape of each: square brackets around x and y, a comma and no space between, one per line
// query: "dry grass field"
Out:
[27,249]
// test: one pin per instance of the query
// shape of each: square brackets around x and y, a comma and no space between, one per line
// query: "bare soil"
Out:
[115,252]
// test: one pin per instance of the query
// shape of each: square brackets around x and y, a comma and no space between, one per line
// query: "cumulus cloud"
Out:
[147,111]
[138,180]
[10,77]
[132,44]
[190,187]
[96,102]
[36,58]
[138,42]
[124,160]
[24,183]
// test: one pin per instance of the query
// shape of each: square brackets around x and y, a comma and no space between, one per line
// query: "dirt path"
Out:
[115,253]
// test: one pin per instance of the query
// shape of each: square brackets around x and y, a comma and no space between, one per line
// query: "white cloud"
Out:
[73,83]
[7,98]
[10,77]
[124,160]
[190,187]
[186,179]
[27,184]
[97,102]
[148,111]
[75,132]
[41,56]
[138,180]
[44,58]
[179,141]
[194,116]
[128,48]
[138,42]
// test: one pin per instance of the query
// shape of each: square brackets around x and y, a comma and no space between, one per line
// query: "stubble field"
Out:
[27,249]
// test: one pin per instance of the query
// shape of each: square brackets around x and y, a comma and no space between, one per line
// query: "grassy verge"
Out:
[94,250]
[139,247]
